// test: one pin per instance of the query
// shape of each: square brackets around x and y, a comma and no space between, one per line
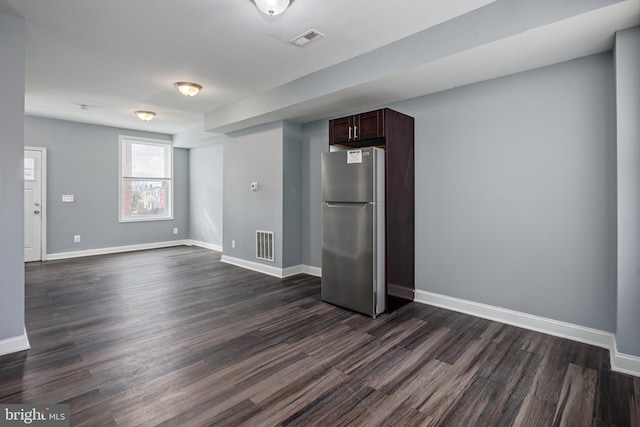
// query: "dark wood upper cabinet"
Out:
[340,130]
[351,130]
[369,125]
[395,132]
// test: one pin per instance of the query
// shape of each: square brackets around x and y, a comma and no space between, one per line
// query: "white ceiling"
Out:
[118,56]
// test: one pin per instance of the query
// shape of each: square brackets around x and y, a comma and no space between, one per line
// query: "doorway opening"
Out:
[35,209]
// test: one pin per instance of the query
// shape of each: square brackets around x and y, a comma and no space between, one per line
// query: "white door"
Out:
[33,204]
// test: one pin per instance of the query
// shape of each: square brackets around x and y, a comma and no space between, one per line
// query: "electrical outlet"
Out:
[233,244]
[175,230]
[76,238]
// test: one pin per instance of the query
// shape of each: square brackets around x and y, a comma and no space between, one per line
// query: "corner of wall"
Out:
[15,344]
[12,70]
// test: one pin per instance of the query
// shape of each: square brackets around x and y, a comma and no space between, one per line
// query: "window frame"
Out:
[168,146]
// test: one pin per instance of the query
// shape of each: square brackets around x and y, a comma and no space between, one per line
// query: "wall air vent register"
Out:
[264,245]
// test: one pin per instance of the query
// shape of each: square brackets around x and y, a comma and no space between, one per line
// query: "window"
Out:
[29,169]
[146,170]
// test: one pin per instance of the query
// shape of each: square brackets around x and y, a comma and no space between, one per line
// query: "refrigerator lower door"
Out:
[348,258]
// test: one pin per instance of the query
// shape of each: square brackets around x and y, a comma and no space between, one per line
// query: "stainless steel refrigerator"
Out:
[353,229]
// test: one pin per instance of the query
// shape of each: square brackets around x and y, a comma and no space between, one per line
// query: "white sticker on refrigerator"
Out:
[354,156]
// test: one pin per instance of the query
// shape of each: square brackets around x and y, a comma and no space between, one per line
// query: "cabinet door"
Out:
[340,130]
[369,125]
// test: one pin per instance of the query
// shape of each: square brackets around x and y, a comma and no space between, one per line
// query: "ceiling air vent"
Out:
[306,37]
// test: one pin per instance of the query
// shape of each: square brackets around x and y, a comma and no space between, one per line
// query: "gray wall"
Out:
[292,208]
[627,65]
[515,192]
[83,161]
[253,155]
[205,188]
[515,201]
[12,52]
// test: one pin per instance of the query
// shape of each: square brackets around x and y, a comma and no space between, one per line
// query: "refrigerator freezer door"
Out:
[348,176]
[348,262]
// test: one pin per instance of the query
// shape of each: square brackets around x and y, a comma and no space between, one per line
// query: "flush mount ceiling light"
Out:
[188,89]
[272,7]
[145,116]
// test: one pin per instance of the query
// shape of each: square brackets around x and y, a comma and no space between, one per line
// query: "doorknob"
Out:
[36,212]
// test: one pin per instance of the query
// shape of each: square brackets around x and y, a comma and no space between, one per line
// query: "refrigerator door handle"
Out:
[348,204]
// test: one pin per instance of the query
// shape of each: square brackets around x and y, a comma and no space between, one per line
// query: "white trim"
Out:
[43,201]
[624,363]
[280,273]
[516,318]
[292,271]
[302,269]
[205,245]
[251,265]
[117,249]
[619,362]
[125,139]
[255,266]
[15,344]
[312,271]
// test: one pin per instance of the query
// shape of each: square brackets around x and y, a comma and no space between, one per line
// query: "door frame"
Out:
[43,184]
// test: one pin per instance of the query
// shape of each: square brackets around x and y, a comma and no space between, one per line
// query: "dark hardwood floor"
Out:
[175,337]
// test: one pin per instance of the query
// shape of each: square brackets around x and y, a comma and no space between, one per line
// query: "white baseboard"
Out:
[516,318]
[302,269]
[312,271]
[624,363]
[205,245]
[619,362]
[291,271]
[255,266]
[15,344]
[116,249]
[270,270]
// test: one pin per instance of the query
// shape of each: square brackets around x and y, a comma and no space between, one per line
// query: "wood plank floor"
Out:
[175,337]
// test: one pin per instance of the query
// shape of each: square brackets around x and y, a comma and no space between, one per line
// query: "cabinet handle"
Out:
[349,133]
[355,132]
